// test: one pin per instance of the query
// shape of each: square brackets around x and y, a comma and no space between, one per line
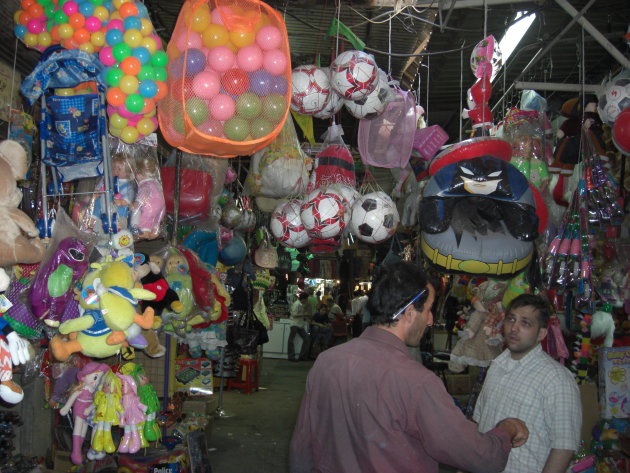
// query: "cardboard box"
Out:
[193,375]
[614,382]
[458,383]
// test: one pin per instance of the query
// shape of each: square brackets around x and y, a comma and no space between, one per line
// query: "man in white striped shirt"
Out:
[526,383]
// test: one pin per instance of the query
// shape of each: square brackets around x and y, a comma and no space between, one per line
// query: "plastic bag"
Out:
[280,169]
[334,163]
[220,102]
[195,188]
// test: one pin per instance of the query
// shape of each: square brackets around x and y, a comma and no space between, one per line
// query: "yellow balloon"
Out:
[116,121]
[214,35]
[44,39]
[147,27]
[145,126]
[101,13]
[30,39]
[200,18]
[129,135]
[150,44]
[128,84]
[87,47]
[97,39]
[132,38]
[64,92]
[65,31]
[242,38]
[116,132]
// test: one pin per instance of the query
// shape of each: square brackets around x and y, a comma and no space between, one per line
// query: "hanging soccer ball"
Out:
[349,194]
[324,214]
[310,89]
[374,217]
[353,74]
[372,104]
[334,102]
[286,225]
[614,98]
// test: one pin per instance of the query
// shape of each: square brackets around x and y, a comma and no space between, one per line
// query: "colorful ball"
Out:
[129,65]
[132,38]
[261,82]
[249,58]
[235,81]
[274,107]
[221,59]
[134,103]
[92,24]
[115,97]
[248,106]
[197,110]
[146,126]
[143,54]
[212,127]
[275,61]
[323,214]
[200,18]
[195,61]
[158,58]
[222,107]
[240,39]
[206,84]
[621,131]
[260,128]
[188,39]
[353,74]
[215,35]
[121,52]
[106,56]
[287,227]
[236,129]
[268,37]
[113,76]
[147,88]
[310,89]
[97,39]
[128,9]
[279,85]
[129,134]
[132,23]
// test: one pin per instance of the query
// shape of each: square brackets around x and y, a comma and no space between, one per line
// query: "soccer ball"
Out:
[374,217]
[333,105]
[310,89]
[372,104]
[353,75]
[614,98]
[286,225]
[324,214]
[349,194]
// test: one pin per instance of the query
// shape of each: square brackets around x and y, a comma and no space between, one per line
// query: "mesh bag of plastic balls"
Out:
[229,82]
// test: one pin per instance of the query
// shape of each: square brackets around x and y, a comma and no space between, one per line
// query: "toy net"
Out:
[229,81]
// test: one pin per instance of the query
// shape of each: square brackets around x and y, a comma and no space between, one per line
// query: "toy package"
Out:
[193,375]
[147,209]
[614,382]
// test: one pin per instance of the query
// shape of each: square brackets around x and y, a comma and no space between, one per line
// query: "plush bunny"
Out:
[18,239]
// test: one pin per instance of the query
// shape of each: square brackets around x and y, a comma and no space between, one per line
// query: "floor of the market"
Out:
[255,432]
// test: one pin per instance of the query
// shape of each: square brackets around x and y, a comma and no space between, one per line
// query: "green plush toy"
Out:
[177,275]
[101,332]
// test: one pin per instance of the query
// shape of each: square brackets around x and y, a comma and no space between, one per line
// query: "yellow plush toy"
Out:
[101,332]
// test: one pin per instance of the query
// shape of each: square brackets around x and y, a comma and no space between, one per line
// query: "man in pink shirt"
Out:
[370,408]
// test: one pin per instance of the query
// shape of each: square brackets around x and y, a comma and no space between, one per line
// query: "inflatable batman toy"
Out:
[479,215]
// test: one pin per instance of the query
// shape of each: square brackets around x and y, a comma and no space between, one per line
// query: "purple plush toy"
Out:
[53,285]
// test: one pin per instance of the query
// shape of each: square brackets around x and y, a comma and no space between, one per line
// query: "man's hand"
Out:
[517,430]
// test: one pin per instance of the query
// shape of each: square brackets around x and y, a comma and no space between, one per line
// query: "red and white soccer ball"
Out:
[324,214]
[310,89]
[334,102]
[614,98]
[353,74]
[374,217]
[349,194]
[375,102]
[286,225]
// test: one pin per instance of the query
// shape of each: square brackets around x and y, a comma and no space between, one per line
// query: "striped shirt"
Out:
[541,392]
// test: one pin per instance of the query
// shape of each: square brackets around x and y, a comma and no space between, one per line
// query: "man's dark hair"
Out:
[303,295]
[537,302]
[393,286]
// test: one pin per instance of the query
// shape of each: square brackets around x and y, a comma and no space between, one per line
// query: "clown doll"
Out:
[80,401]
[133,415]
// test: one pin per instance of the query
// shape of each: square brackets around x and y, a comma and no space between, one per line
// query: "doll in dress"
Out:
[80,401]
[147,210]
[133,415]
[108,408]
[148,396]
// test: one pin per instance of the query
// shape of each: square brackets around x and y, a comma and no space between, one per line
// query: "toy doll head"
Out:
[147,168]
[128,385]
[90,375]
[110,383]
[121,167]
[136,371]
[176,263]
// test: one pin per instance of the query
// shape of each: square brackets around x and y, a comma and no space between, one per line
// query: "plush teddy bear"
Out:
[15,247]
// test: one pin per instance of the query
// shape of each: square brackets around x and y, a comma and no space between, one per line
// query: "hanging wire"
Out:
[485,19]
[461,89]
[12,86]
[389,49]
[426,109]
[338,5]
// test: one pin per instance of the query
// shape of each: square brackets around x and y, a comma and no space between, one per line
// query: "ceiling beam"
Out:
[558,87]
[456,4]
[594,32]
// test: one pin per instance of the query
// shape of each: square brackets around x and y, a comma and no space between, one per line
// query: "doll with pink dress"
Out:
[80,401]
[133,415]
[147,210]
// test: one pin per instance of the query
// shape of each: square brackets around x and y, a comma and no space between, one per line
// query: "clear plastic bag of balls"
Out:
[280,169]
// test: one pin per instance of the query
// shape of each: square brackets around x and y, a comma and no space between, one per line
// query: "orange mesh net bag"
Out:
[229,81]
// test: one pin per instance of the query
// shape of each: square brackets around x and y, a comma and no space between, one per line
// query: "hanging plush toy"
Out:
[18,238]
[153,280]
[80,401]
[132,416]
[53,285]
[13,351]
[108,409]
[178,277]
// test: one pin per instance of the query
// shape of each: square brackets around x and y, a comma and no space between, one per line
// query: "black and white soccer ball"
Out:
[374,217]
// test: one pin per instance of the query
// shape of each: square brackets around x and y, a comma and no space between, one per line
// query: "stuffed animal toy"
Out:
[178,277]
[13,351]
[18,239]
[4,280]
[102,333]
[53,285]
[481,340]
[152,279]
[201,279]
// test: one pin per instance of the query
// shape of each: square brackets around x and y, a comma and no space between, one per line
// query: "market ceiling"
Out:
[427,45]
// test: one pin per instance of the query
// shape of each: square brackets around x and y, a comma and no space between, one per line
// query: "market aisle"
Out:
[256,437]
